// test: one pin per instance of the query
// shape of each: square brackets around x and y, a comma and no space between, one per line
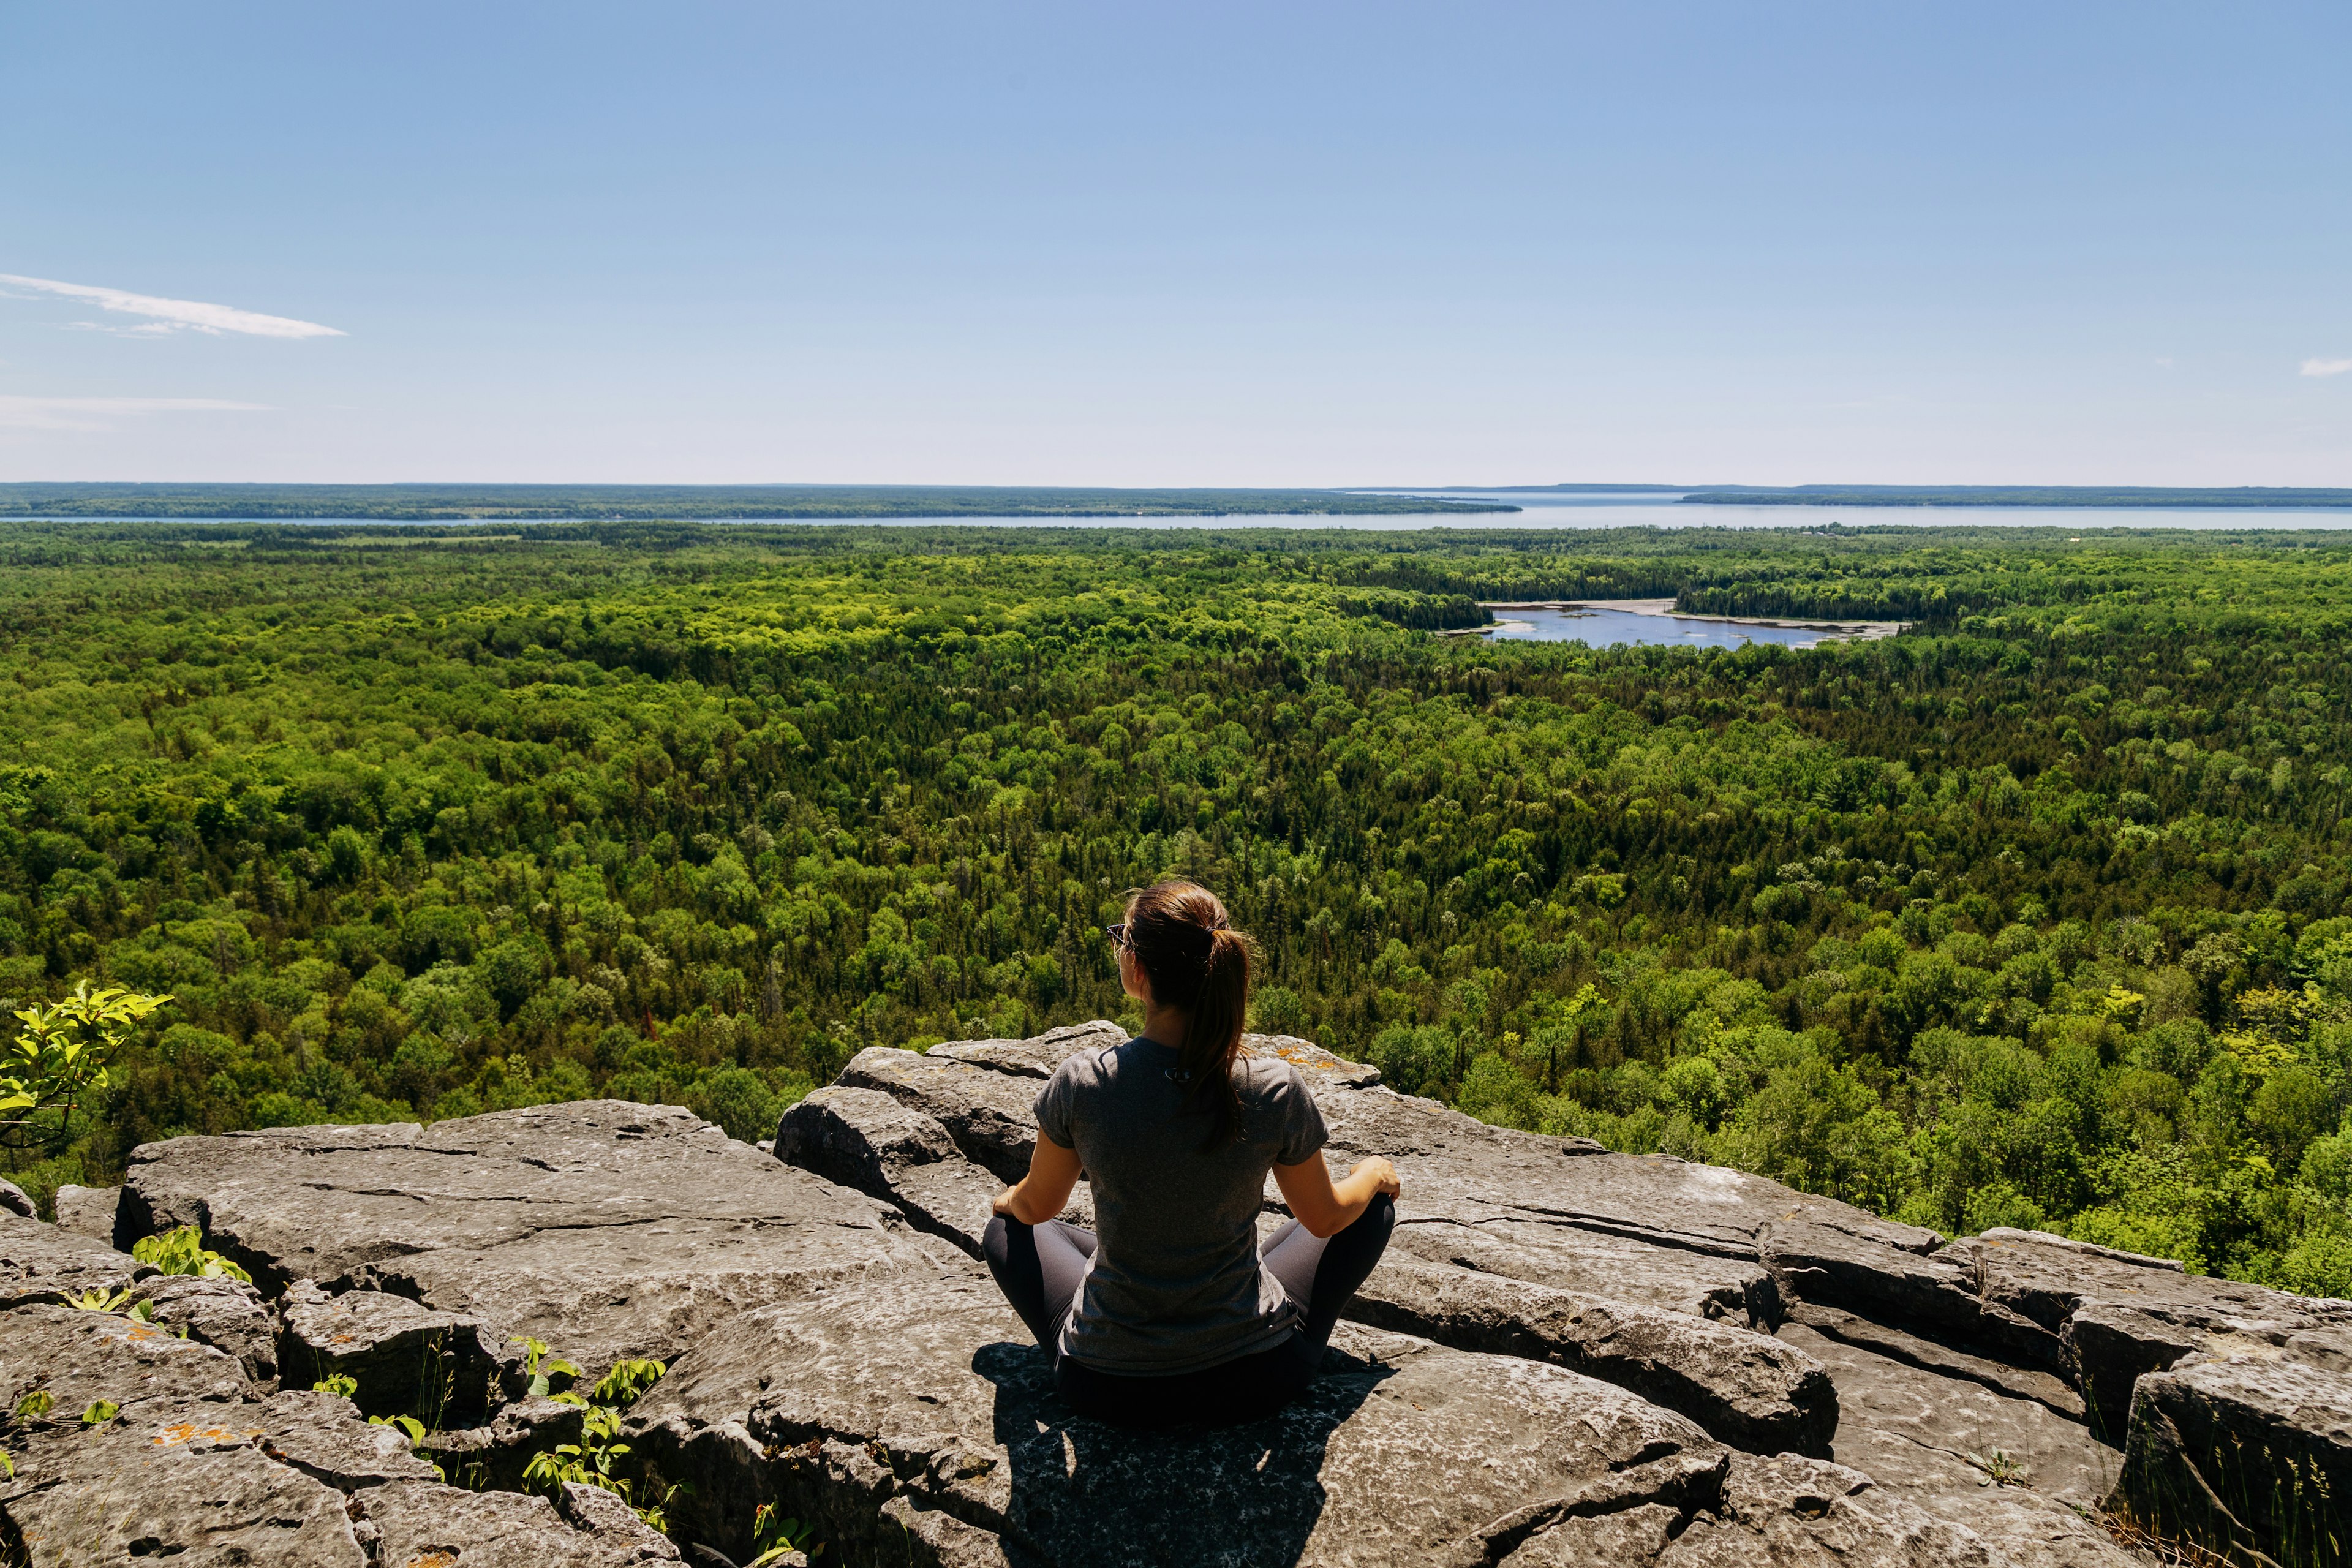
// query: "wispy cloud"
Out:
[92,413]
[172,315]
[2326,366]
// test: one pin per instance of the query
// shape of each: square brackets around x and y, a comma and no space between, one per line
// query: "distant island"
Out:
[629,504]
[2246,497]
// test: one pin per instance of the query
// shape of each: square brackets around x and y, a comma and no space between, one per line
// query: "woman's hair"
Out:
[1198,963]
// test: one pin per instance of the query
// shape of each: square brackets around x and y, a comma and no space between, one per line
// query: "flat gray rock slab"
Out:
[1038,1055]
[1785,1511]
[41,1263]
[605,1228]
[121,1499]
[80,1358]
[928,1415]
[424,1524]
[1931,1440]
[1741,1384]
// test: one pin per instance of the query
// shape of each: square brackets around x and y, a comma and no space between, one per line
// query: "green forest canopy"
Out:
[2034,915]
[414,503]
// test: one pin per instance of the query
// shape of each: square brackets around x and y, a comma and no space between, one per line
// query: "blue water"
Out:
[1600,627]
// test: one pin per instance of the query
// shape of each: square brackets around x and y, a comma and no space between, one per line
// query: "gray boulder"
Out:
[42,1263]
[863,1139]
[1789,1509]
[1037,1057]
[987,1113]
[204,1465]
[2248,1456]
[604,1228]
[88,1210]
[604,1518]
[2120,1315]
[13,1201]
[407,1358]
[82,1357]
[226,1314]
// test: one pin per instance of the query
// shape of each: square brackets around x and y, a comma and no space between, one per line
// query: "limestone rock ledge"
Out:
[1569,1357]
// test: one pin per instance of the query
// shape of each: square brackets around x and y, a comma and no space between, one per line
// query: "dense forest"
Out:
[2033,915]
[432,503]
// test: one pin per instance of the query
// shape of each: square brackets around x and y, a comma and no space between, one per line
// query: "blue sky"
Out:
[1197,244]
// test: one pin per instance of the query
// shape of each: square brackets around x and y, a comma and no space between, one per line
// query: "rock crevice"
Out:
[1569,1357]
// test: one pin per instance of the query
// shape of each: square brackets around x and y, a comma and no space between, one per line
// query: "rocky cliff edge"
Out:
[1567,1357]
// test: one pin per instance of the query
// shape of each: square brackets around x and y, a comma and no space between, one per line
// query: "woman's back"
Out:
[1176,1283]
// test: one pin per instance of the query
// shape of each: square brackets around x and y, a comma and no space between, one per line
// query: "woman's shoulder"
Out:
[1266,1077]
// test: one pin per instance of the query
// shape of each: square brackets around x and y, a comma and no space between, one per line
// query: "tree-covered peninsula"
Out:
[2033,915]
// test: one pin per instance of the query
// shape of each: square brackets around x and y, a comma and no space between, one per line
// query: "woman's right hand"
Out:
[1383,1174]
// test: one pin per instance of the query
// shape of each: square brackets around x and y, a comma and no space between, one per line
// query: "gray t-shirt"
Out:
[1176,1284]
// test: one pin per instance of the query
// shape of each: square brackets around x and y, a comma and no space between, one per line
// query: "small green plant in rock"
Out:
[339,1382]
[590,1462]
[625,1383]
[101,1300]
[100,1412]
[34,1405]
[542,1367]
[183,1251]
[409,1425]
[774,1534]
[2005,1468]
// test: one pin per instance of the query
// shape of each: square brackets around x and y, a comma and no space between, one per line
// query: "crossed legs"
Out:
[1039,1269]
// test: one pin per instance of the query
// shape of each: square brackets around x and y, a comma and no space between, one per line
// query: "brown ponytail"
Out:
[1198,963]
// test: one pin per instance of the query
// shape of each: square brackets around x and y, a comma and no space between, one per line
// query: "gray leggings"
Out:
[1291,1255]
[1039,1269]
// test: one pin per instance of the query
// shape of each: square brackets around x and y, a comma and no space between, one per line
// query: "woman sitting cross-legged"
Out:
[1175,1313]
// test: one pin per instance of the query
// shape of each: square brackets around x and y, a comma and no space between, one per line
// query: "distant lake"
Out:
[1599,628]
[1652,508]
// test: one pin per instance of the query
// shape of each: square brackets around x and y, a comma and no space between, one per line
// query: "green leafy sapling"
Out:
[34,1405]
[99,1412]
[542,1368]
[183,1251]
[627,1383]
[338,1383]
[59,1059]
[592,1461]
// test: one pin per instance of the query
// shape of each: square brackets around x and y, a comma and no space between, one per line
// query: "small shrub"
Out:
[183,1252]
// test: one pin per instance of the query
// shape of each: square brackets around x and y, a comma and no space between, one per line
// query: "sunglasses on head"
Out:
[1118,934]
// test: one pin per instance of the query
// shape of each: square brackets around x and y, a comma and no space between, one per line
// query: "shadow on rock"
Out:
[1086,1492]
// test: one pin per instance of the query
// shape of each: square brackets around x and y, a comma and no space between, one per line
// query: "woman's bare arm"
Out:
[1325,1207]
[1045,1190]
